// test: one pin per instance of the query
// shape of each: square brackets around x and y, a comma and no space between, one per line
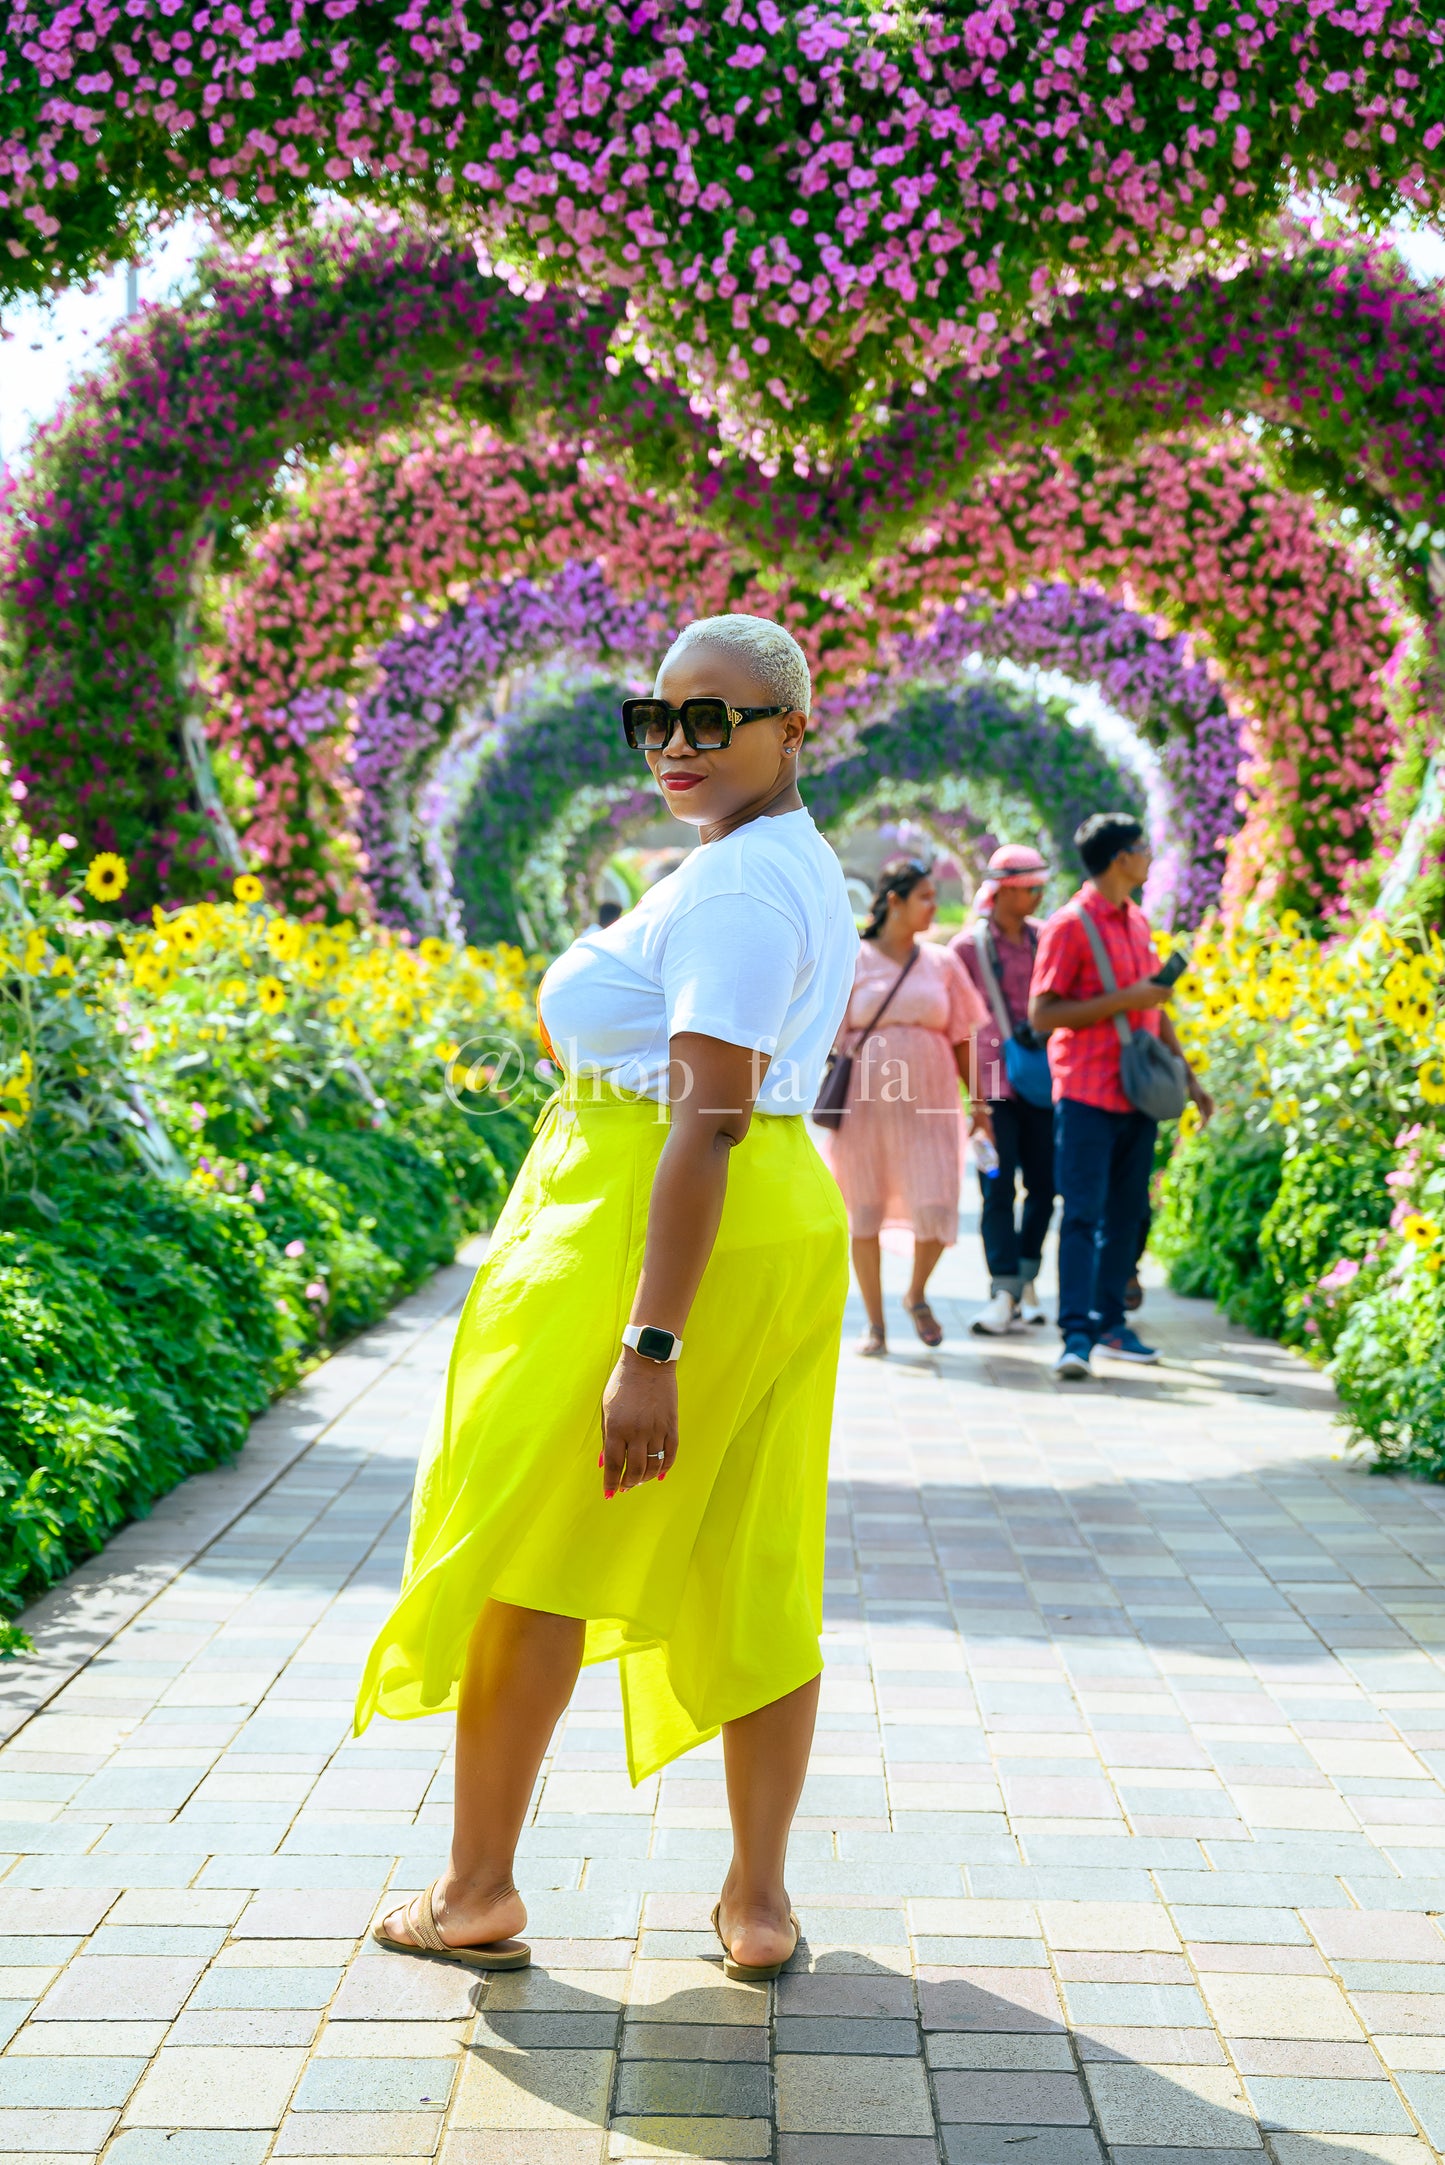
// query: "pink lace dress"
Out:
[897,1155]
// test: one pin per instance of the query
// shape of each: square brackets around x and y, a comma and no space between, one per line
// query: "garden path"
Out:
[1124,1836]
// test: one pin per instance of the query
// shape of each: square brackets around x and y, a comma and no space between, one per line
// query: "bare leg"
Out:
[925,1263]
[868,1267]
[521,1667]
[766,1757]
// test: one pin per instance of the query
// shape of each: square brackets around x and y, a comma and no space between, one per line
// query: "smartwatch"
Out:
[651,1343]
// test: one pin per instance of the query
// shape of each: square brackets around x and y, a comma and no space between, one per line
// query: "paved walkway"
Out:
[1124,1829]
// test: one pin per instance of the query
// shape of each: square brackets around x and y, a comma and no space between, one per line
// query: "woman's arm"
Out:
[965,1060]
[712,1088]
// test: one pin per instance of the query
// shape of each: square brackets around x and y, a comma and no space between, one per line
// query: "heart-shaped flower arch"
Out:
[799,201]
[1298,636]
[450,693]
[184,444]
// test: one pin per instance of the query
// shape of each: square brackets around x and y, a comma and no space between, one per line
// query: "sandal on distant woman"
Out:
[873,1345]
[925,1322]
[499,1954]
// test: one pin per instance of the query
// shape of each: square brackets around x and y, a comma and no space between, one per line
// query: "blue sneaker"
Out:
[1126,1345]
[1073,1364]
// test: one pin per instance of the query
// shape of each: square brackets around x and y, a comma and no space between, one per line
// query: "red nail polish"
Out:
[662,1476]
[609,1493]
[601,1456]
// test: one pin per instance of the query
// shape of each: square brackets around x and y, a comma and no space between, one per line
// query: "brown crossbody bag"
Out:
[838,1079]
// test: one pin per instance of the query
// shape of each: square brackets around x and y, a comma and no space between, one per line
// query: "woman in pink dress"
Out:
[897,1152]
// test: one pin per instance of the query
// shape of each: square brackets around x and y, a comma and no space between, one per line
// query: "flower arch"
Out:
[180,448]
[1153,680]
[419,522]
[1280,609]
[909,179]
[559,785]
[447,690]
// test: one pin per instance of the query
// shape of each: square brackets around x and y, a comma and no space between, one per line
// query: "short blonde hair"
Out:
[773,655]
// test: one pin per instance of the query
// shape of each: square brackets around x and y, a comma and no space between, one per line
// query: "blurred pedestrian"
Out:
[1099,991]
[997,949]
[910,1026]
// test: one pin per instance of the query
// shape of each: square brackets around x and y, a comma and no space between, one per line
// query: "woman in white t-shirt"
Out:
[586,1494]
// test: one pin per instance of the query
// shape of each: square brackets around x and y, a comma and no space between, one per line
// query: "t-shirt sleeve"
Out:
[1058,965]
[965,954]
[966,1010]
[729,970]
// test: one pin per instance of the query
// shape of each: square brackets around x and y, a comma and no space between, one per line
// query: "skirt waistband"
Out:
[583,1093]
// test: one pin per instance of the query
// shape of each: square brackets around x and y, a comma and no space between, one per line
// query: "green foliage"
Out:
[1314,1205]
[1389,1369]
[1218,1188]
[141,1332]
[227,1142]
[1332,1204]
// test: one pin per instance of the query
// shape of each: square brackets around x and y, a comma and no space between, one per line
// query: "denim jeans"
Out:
[1102,1163]
[1014,1249]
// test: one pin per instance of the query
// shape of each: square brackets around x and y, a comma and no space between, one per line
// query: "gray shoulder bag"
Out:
[1155,1080]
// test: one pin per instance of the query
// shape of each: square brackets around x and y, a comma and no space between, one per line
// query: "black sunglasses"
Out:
[707,724]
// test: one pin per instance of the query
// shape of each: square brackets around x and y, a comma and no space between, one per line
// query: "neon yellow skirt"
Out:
[708,1587]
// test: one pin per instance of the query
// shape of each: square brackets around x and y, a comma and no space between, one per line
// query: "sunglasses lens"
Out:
[649,724]
[707,723]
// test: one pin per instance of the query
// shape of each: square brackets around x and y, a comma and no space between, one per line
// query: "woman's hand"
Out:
[639,1422]
[981,1119]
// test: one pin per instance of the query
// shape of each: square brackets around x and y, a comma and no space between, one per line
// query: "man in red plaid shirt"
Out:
[1103,1146]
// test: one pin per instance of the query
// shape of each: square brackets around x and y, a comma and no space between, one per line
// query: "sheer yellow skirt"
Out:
[708,1587]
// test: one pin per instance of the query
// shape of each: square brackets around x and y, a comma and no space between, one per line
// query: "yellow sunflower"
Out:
[272,995]
[284,939]
[1431,1078]
[235,988]
[1420,1231]
[248,888]
[106,876]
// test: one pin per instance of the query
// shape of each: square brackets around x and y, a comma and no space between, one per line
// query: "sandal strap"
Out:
[424,1923]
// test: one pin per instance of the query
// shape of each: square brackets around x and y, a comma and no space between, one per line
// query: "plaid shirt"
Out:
[1015,972]
[1085,1062]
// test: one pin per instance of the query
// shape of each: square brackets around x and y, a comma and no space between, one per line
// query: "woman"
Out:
[897,1151]
[997,950]
[673,1194]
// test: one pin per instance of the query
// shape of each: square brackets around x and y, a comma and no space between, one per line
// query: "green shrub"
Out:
[1214,1196]
[228,1140]
[144,1327]
[1332,1204]
[1389,1369]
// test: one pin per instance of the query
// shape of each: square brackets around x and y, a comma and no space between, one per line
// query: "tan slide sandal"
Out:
[746,1973]
[500,1954]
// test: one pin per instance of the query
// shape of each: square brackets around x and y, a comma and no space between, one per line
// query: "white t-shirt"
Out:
[750,940]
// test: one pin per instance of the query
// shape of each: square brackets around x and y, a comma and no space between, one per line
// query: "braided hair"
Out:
[899,877]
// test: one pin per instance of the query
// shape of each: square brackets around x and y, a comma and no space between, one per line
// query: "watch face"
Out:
[654,1345]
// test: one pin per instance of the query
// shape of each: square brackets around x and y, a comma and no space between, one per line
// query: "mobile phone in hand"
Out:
[1174,968]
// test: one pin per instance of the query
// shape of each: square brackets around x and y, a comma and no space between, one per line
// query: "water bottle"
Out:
[985,1155]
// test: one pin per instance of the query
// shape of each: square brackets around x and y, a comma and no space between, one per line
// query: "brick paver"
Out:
[1124,1837]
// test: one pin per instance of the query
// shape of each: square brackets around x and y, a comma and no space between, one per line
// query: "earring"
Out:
[790,751]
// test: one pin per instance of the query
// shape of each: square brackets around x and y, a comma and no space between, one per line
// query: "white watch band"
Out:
[633,1334]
